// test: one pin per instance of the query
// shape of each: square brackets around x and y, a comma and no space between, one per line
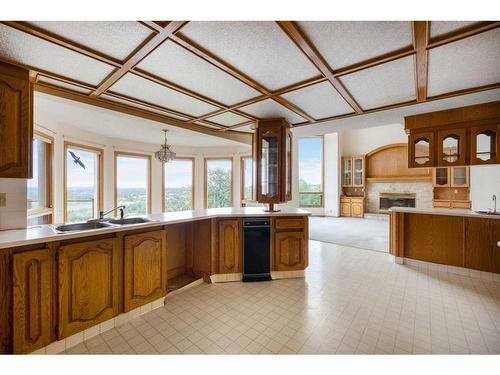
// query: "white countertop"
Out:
[443,211]
[46,233]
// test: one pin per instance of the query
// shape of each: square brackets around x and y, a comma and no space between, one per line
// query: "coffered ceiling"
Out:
[220,77]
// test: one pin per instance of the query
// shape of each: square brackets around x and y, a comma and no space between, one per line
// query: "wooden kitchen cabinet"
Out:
[32,300]
[16,122]
[451,147]
[289,250]
[353,171]
[88,284]
[421,150]
[352,206]
[485,144]
[481,244]
[272,151]
[450,187]
[229,246]
[145,268]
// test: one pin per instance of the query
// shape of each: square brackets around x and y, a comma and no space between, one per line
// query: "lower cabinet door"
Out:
[229,246]
[145,273]
[88,285]
[32,290]
[289,251]
[345,209]
[481,244]
[357,209]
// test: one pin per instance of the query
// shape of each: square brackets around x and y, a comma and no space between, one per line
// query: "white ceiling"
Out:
[107,123]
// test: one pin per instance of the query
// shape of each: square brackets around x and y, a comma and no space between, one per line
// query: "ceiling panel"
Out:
[228,119]
[270,109]
[113,38]
[442,27]
[139,106]
[245,129]
[319,101]
[63,85]
[261,50]
[470,62]
[175,64]
[343,43]
[143,89]
[32,51]
[385,84]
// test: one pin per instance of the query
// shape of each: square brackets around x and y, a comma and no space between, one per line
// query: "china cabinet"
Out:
[451,187]
[273,160]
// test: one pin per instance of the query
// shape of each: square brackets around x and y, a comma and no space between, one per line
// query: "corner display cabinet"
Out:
[454,137]
[273,160]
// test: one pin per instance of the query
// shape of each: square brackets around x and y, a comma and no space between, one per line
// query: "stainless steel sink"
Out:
[488,212]
[130,220]
[81,226]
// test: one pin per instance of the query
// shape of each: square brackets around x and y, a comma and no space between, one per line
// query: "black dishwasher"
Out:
[256,249]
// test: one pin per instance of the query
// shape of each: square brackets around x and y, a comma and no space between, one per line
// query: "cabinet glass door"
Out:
[459,176]
[347,175]
[288,166]
[269,164]
[441,178]
[358,172]
[486,145]
[451,148]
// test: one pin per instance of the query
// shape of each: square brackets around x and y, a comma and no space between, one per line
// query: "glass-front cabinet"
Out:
[442,176]
[273,160]
[420,152]
[353,171]
[358,171]
[485,144]
[347,171]
[451,147]
[451,177]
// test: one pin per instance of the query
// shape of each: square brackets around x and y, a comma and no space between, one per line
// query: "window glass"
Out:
[311,172]
[178,185]
[218,183]
[37,186]
[132,184]
[247,179]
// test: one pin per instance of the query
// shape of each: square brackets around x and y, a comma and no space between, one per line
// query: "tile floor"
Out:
[364,233]
[351,301]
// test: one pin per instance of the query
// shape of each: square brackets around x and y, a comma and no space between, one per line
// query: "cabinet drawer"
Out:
[441,204]
[345,200]
[460,204]
[290,223]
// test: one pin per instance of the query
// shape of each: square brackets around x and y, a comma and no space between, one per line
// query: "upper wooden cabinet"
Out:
[88,284]
[229,246]
[16,122]
[485,144]
[32,300]
[454,137]
[273,161]
[353,171]
[145,268]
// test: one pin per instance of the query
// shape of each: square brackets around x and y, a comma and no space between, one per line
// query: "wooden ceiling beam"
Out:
[138,55]
[130,110]
[421,31]
[465,32]
[197,50]
[296,35]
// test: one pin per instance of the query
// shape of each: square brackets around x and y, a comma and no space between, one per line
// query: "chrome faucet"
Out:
[494,198]
[121,208]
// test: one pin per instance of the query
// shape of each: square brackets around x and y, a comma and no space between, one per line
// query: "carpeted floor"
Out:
[365,233]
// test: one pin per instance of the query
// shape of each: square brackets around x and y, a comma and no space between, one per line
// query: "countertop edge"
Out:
[157,220]
[443,212]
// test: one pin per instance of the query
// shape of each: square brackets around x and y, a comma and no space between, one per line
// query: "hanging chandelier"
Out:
[165,155]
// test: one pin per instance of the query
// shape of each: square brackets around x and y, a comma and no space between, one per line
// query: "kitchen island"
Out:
[59,286]
[452,237]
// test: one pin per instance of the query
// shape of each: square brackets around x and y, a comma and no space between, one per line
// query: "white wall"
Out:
[13,215]
[362,141]
[484,182]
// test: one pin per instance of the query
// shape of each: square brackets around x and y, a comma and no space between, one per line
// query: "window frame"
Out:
[242,177]
[48,210]
[163,200]
[100,174]
[136,155]
[205,178]
[322,192]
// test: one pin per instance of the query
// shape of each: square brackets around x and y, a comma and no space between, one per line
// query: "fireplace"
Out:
[388,200]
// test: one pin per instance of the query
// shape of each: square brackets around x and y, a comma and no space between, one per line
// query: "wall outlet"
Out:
[3,199]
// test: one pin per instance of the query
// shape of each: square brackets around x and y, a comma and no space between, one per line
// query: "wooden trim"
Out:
[134,111]
[242,177]
[399,178]
[138,55]
[193,161]
[205,177]
[137,156]
[421,31]
[100,177]
[466,32]
[295,34]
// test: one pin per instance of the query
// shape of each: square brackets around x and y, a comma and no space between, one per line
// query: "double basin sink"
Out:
[100,224]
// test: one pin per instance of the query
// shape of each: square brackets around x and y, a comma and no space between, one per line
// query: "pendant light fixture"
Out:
[165,154]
